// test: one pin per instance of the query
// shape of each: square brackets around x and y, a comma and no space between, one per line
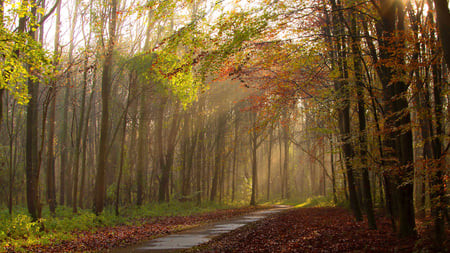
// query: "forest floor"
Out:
[320,229]
[309,229]
[112,237]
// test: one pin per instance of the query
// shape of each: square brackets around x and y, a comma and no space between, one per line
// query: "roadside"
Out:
[113,237]
[194,237]
[321,229]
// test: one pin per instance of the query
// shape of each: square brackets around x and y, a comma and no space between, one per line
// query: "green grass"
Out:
[18,229]
[318,201]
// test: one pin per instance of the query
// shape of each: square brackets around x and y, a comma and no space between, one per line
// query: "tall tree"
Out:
[443,21]
[51,184]
[398,137]
[255,142]
[363,146]
[102,158]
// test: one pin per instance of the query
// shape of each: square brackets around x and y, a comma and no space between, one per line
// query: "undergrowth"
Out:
[18,229]
[316,201]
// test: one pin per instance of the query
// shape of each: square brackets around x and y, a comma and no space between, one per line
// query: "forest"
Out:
[109,108]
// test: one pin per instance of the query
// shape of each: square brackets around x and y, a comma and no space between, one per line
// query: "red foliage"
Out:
[108,238]
[311,230]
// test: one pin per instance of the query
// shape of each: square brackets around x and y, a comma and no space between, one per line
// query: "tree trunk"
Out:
[32,142]
[164,176]
[218,154]
[105,124]
[141,142]
[333,173]
[2,90]
[443,21]
[65,166]
[122,155]
[439,201]
[397,125]
[254,147]
[357,65]
[269,161]
[78,139]
[286,162]
[341,86]
[166,156]
[51,187]
[235,147]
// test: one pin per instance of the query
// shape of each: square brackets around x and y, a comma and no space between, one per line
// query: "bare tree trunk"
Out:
[141,154]
[439,206]
[254,147]
[443,21]
[339,59]
[397,124]
[235,152]
[122,149]
[218,154]
[333,173]
[13,148]
[200,158]
[189,144]
[50,173]
[166,156]
[32,142]
[65,166]
[84,149]
[79,137]
[269,161]
[280,145]
[357,65]
[285,180]
[2,90]
[105,124]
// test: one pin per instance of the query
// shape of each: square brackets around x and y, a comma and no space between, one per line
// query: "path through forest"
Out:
[194,237]
[317,229]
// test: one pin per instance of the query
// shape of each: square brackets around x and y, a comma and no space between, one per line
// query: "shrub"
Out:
[19,226]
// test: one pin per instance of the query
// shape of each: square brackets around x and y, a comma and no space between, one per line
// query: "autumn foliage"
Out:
[324,229]
[107,238]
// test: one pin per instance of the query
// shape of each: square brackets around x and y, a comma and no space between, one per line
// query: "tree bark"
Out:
[32,142]
[443,22]
[105,124]
[166,155]
[269,161]
[341,86]
[333,173]
[141,142]
[78,139]
[285,177]
[398,137]
[50,168]
[221,121]
[254,136]
[357,65]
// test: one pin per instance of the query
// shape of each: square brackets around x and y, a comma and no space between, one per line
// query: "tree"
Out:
[443,21]
[33,158]
[105,124]
[255,142]
[398,140]
[51,184]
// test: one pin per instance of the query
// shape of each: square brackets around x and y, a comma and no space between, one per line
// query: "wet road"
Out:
[194,237]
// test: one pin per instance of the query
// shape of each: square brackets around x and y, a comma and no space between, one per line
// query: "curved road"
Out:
[196,236]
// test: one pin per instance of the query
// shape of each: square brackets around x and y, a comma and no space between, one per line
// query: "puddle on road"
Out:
[195,237]
[175,242]
[224,228]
